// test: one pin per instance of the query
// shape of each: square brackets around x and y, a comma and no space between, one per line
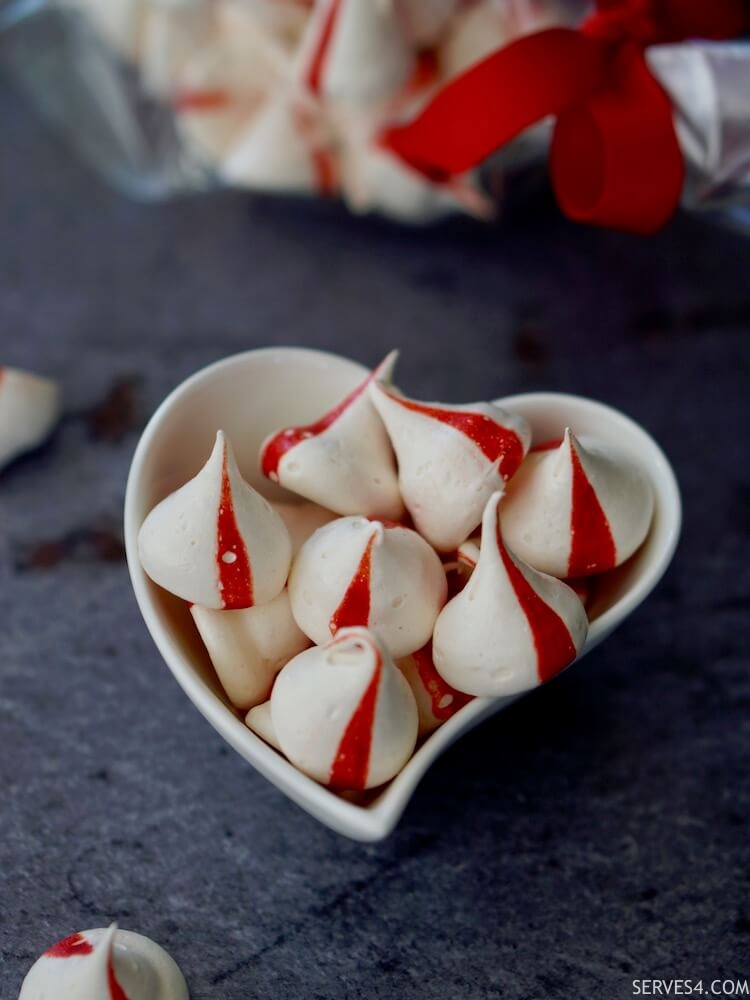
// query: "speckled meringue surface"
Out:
[451,459]
[344,460]
[511,627]
[357,571]
[216,541]
[577,508]
[344,714]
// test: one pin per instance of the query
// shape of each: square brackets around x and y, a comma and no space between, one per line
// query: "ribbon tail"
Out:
[615,159]
[491,103]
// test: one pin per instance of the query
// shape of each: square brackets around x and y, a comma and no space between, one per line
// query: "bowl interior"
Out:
[251,395]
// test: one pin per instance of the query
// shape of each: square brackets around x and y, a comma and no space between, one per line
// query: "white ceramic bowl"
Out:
[250,395]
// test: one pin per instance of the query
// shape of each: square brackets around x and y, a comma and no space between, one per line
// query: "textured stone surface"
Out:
[595,833]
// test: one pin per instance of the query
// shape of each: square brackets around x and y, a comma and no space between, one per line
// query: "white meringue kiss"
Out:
[451,459]
[511,628]
[248,647]
[216,541]
[355,571]
[344,714]
[344,460]
[578,509]
[105,964]
[29,410]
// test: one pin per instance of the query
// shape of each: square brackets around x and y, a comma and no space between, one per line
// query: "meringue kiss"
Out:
[357,571]
[577,508]
[344,460]
[344,714]
[249,646]
[216,541]
[29,410]
[511,628]
[450,460]
[104,965]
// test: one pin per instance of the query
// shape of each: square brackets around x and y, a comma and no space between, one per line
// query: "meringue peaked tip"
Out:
[489,517]
[384,371]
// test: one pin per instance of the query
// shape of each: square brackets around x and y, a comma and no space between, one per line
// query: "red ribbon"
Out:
[615,159]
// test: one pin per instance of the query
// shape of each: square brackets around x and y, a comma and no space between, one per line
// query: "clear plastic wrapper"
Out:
[290,96]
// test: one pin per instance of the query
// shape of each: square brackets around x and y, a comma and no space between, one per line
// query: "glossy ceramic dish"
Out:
[250,395]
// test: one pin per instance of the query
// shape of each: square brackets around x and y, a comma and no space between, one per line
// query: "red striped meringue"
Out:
[216,541]
[450,459]
[344,460]
[343,713]
[354,51]
[511,628]
[576,508]
[436,700]
[357,571]
[104,965]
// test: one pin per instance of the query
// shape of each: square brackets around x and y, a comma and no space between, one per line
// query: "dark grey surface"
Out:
[597,833]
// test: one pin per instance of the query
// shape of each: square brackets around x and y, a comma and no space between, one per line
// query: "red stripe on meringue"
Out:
[235,575]
[201,100]
[355,604]
[352,760]
[324,166]
[314,75]
[69,947]
[495,442]
[445,701]
[553,643]
[275,449]
[547,445]
[116,992]
[592,547]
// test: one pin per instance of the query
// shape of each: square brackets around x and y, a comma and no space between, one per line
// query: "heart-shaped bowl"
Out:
[248,396]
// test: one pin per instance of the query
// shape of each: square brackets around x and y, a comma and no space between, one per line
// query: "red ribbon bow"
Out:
[615,159]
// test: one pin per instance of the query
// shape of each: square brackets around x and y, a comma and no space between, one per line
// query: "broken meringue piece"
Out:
[249,646]
[216,541]
[354,51]
[511,628]
[105,964]
[576,508]
[29,410]
[344,714]
[302,520]
[343,461]
[436,700]
[451,459]
[357,571]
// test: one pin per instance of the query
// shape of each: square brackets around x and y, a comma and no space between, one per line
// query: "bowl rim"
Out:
[377,820]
